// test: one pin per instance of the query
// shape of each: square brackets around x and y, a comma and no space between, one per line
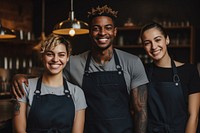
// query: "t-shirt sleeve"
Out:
[194,85]
[138,74]
[79,99]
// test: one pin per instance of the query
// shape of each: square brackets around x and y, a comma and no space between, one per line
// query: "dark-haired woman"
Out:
[174,87]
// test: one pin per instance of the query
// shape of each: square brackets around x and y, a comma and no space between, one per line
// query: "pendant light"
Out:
[71,26]
[42,37]
[6,33]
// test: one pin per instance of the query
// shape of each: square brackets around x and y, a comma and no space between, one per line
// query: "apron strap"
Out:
[175,78]
[88,63]
[118,66]
[38,87]
[66,89]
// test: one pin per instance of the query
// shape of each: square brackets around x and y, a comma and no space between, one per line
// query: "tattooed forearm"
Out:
[139,103]
[16,107]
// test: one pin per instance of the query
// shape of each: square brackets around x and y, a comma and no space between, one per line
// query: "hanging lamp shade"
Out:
[6,33]
[71,26]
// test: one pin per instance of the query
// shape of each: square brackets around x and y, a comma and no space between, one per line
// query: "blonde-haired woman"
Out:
[51,104]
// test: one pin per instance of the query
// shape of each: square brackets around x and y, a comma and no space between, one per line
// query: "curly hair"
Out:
[52,41]
[102,11]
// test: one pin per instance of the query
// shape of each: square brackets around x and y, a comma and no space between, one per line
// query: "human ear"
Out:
[115,31]
[167,40]
[67,58]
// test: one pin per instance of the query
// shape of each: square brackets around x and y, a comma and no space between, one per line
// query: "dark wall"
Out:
[16,14]
[141,11]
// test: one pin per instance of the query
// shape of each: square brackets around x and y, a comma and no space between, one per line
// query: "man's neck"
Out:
[102,57]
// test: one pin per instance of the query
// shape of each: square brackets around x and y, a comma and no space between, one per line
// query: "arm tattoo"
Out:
[16,108]
[139,104]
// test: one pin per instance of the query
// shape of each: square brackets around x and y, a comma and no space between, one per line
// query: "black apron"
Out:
[108,101]
[167,106]
[51,113]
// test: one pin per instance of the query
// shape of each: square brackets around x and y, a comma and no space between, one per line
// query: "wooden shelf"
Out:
[5,95]
[17,42]
[140,46]
[139,27]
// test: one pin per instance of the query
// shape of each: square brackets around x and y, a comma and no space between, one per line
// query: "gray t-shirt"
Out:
[132,67]
[75,91]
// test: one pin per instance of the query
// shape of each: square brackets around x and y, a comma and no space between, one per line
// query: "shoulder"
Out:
[188,67]
[77,96]
[188,70]
[79,56]
[127,58]
[124,54]
[77,61]
[74,89]
[185,65]
[33,80]
[29,90]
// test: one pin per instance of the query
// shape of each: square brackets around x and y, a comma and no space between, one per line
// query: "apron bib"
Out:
[108,101]
[166,105]
[51,113]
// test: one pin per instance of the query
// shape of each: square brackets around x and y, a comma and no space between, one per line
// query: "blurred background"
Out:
[31,20]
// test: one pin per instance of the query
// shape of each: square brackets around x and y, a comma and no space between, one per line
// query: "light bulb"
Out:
[72,32]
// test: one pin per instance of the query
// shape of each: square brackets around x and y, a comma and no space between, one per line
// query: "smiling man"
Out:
[111,79]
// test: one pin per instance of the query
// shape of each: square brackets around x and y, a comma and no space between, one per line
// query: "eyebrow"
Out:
[158,37]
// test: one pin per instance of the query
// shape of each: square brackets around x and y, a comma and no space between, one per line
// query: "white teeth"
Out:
[55,66]
[103,40]
[155,52]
